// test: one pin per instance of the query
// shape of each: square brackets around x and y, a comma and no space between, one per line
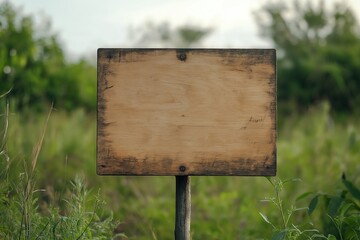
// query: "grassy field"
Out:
[314,150]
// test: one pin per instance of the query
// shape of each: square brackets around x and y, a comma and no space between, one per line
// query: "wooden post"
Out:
[183,208]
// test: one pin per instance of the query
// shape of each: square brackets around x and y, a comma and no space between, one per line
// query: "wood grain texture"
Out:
[186,112]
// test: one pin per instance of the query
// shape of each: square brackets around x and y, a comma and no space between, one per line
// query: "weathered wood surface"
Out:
[186,112]
[183,208]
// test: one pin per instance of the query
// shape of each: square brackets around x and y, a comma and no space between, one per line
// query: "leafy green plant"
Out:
[341,211]
[286,228]
[77,222]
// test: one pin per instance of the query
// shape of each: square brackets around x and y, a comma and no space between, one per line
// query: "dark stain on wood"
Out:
[166,162]
[257,56]
[238,167]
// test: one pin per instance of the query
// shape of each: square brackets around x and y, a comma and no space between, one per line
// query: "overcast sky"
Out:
[85,25]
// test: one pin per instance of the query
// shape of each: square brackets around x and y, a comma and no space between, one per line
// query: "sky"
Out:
[86,25]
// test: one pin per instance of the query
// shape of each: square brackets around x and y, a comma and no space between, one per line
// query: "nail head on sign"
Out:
[182,168]
[182,56]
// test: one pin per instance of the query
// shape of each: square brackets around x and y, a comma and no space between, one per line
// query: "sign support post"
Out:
[183,208]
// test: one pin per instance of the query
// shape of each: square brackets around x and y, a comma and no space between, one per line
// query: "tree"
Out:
[33,66]
[163,35]
[318,53]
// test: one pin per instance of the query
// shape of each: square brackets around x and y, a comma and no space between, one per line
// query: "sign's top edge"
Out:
[111,51]
[185,49]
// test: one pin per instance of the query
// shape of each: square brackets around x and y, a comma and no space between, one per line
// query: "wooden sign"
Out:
[186,112]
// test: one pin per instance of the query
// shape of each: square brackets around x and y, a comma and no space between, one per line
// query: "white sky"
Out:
[85,25]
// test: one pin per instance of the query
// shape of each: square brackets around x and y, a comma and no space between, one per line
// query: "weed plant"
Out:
[340,213]
[22,216]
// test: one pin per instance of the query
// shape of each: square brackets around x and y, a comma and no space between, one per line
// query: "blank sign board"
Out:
[186,112]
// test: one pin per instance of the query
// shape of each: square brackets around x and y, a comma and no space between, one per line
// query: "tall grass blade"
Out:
[27,197]
[37,149]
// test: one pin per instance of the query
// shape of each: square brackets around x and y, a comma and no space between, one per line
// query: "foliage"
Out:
[33,66]
[342,211]
[23,215]
[318,150]
[340,214]
[318,145]
[315,147]
[287,228]
[318,53]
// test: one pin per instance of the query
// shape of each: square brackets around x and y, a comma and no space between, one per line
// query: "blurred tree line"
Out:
[318,54]
[163,35]
[318,57]
[34,69]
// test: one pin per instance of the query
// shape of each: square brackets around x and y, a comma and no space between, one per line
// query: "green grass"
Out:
[27,214]
[314,148]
